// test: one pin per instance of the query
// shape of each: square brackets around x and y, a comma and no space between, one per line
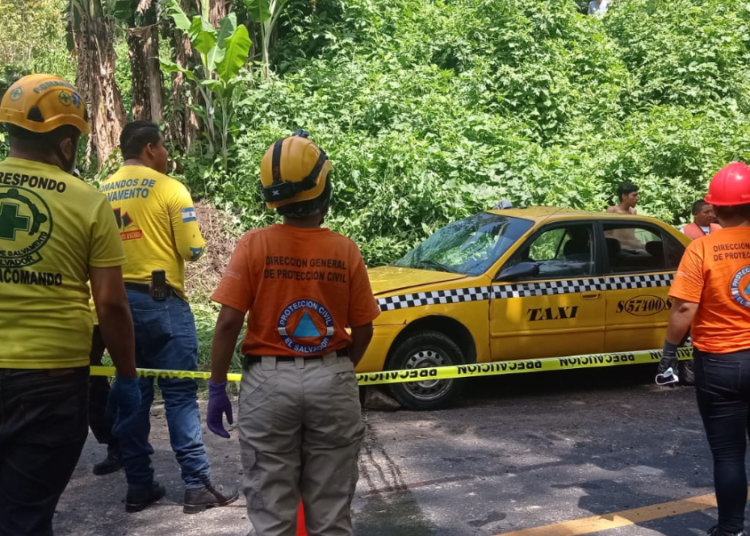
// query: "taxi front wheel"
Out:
[426,349]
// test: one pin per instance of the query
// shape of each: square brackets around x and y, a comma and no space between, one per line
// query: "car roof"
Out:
[541,213]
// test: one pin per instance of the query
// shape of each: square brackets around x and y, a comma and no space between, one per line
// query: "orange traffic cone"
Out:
[301,521]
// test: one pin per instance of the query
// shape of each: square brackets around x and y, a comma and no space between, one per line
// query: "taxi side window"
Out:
[560,252]
[673,251]
[639,248]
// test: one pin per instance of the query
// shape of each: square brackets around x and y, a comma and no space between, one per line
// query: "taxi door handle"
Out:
[591,295]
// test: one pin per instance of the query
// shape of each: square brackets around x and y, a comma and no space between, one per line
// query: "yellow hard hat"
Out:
[293,169]
[43,102]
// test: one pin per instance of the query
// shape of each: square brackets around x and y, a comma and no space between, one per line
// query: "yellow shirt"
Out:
[157,224]
[94,316]
[53,227]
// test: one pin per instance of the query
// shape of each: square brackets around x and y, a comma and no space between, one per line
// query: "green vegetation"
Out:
[222,55]
[205,321]
[432,110]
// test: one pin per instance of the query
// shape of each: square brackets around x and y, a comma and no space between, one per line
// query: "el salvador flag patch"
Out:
[188,215]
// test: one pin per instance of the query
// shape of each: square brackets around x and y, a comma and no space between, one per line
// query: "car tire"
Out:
[426,349]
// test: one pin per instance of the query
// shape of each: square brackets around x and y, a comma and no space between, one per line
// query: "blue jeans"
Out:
[722,384]
[165,338]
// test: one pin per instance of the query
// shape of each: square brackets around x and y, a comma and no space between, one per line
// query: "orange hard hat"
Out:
[730,186]
[43,102]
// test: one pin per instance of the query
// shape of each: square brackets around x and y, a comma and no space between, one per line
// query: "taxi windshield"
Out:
[469,246]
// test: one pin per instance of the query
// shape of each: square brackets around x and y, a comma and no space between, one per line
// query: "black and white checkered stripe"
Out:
[523,290]
[419,299]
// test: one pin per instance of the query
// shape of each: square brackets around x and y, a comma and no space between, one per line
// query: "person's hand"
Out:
[218,406]
[123,404]
[668,366]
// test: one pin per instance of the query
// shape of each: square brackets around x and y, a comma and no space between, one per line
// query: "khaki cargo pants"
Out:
[300,427]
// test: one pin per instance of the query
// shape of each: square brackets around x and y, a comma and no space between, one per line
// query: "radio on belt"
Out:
[159,285]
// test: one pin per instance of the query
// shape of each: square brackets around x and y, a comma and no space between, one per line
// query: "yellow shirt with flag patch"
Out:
[157,222]
[53,227]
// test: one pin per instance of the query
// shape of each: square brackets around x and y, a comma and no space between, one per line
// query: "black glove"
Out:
[668,365]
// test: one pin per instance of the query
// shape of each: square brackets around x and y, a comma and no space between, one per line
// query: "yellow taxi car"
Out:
[519,284]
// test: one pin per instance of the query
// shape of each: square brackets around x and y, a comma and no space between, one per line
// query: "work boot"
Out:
[138,499]
[716,531]
[198,499]
[108,465]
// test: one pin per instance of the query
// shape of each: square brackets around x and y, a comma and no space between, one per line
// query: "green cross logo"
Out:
[25,226]
[11,222]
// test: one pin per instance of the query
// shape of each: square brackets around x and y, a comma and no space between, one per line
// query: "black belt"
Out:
[146,288]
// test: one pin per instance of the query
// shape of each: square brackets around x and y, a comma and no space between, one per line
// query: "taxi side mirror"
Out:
[518,271]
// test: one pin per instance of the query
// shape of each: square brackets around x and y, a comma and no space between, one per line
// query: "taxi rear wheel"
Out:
[426,349]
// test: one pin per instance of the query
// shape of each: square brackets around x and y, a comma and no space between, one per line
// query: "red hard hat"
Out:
[730,186]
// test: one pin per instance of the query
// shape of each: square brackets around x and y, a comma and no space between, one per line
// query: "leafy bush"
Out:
[433,110]
[686,52]
[33,41]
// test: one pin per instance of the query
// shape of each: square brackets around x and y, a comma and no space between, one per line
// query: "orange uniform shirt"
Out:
[694,231]
[715,272]
[302,288]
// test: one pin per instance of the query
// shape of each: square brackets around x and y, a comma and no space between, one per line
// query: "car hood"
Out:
[387,279]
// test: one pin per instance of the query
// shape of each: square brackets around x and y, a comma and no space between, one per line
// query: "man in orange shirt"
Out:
[299,418]
[711,295]
[703,214]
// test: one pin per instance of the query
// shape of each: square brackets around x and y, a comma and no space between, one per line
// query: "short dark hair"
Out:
[136,135]
[698,206]
[304,209]
[626,188]
[34,141]
[731,211]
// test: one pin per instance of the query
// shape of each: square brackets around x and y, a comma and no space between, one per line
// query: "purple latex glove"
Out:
[218,406]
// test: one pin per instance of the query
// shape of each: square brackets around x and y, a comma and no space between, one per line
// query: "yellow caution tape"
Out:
[164,374]
[496,368]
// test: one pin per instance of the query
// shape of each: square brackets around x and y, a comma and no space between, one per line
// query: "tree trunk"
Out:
[138,74]
[95,78]
[184,127]
[217,11]
[143,53]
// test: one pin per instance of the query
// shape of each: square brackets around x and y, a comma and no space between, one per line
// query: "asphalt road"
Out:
[517,452]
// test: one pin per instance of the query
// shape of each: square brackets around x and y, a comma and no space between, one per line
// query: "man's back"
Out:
[53,227]
[302,286]
[307,284]
[157,224]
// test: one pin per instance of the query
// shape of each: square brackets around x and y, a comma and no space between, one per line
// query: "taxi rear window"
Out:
[469,246]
